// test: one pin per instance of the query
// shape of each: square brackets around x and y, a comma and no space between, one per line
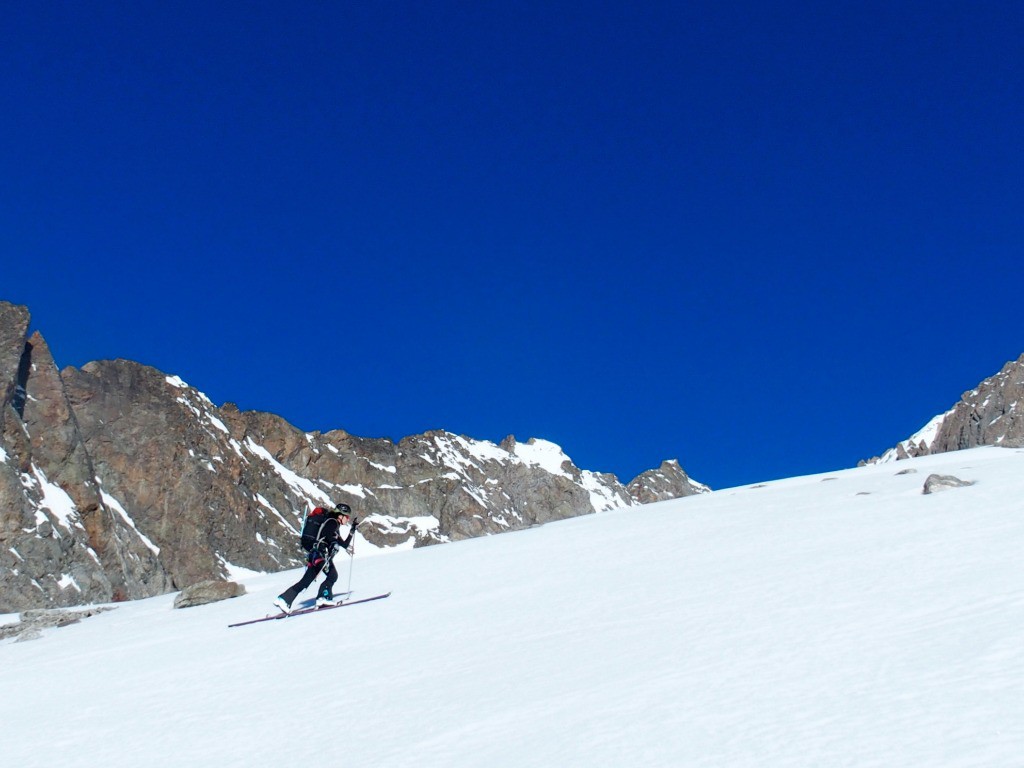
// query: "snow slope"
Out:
[836,620]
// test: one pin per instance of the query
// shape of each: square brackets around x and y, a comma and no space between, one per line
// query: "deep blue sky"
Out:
[768,239]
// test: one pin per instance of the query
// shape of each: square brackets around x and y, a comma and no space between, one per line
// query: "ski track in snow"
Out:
[854,622]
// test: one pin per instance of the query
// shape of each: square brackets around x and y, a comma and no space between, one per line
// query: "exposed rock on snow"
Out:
[205,592]
[31,624]
[936,483]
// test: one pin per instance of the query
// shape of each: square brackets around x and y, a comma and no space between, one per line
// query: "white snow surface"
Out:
[544,454]
[54,498]
[853,622]
[602,498]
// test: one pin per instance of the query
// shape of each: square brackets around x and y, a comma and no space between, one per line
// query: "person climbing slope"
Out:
[321,538]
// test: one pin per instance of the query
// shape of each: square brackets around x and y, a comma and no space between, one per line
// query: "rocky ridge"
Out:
[663,484]
[118,481]
[990,414]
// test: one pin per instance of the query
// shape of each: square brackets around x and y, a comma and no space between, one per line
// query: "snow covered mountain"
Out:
[845,619]
[118,481]
[990,414]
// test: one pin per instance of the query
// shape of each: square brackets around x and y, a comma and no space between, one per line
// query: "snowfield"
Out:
[832,620]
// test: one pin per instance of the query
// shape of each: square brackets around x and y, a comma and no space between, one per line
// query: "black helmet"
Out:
[343,509]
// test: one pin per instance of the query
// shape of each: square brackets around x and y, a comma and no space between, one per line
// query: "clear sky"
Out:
[767,239]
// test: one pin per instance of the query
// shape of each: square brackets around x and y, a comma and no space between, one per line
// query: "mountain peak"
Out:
[990,414]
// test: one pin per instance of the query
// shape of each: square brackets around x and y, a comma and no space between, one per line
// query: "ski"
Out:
[338,597]
[314,609]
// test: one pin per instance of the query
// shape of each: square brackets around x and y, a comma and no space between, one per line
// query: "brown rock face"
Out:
[992,414]
[59,542]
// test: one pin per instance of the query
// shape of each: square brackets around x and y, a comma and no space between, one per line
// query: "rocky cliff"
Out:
[118,481]
[990,414]
[61,543]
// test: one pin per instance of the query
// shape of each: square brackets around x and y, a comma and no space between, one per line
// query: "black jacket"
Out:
[330,534]
[330,541]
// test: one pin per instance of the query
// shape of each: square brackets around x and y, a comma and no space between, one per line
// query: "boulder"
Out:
[205,592]
[936,483]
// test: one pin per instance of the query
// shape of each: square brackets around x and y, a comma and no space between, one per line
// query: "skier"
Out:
[322,537]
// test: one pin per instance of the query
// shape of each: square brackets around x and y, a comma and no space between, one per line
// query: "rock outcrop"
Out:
[31,624]
[938,483]
[118,481]
[667,482]
[60,543]
[990,414]
[206,592]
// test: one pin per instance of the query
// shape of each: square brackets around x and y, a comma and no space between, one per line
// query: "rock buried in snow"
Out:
[30,624]
[936,483]
[208,592]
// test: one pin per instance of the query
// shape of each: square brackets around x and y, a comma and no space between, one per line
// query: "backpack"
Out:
[312,528]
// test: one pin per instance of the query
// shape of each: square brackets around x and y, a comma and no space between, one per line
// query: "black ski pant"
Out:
[312,571]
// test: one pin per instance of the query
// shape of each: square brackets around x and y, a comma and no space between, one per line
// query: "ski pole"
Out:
[352,554]
[351,562]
